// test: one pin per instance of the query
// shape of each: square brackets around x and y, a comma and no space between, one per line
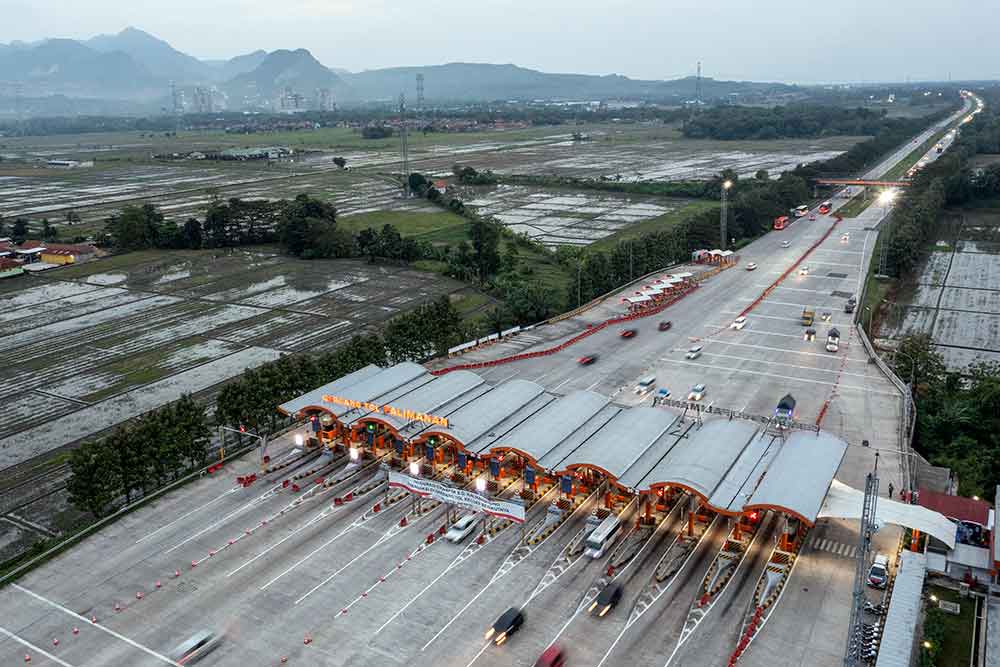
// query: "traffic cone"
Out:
[177,573]
[138,595]
[27,658]
[55,641]
[307,639]
[93,619]
[402,522]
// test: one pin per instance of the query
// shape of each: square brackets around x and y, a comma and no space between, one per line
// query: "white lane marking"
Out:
[507,378]
[100,627]
[717,341]
[832,371]
[32,647]
[556,388]
[543,375]
[310,555]
[312,521]
[593,385]
[786,377]
[799,289]
[845,252]
[184,516]
[783,319]
[239,510]
[769,302]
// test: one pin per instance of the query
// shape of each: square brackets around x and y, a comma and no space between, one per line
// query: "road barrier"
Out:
[756,302]
[575,339]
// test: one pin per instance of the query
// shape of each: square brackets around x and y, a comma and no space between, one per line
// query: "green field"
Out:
[437,227]
[956,649]
[658,223]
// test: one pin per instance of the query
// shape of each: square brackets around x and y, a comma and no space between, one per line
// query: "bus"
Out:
[782,222]
[603,535]
[801,211]
[825,207]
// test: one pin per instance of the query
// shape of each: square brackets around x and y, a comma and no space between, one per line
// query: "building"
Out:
[971,559]
[324,100]
[59,253]
[10,268]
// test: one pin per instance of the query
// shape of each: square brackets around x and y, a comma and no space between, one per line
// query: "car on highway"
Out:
[606,600]
[739,322]
[552,657]
[825,316]
[196,647]
[645,385]
[809,335]
[786,244]
[803,270]
[587,359]
[752,266]
[697,392]
[665,325]
[509,622]
[844,238]
[628,333]
[663,392]
[812,216]
[693,352]
[462,528]
[878,573]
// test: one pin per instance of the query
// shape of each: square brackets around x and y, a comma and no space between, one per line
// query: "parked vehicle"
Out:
[878,574]
[808,316]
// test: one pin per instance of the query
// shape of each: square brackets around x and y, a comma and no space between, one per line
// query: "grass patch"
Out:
[875,292]
[856,206]
[436,227]
[658,223]
[956,646]
[469,303]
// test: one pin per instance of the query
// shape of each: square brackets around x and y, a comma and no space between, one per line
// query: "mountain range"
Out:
[136,66]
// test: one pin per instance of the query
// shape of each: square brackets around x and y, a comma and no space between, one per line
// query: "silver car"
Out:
[693,352]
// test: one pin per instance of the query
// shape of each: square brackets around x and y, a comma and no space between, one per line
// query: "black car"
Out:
[665,326]
[508,623]
[607,599]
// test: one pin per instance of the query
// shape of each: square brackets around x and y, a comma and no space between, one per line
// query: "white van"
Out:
[646,385]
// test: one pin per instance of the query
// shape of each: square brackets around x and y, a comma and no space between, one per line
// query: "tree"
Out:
[49,232]
[762,175]
[92,485]
[19,231]
[192,234]
[72,217]
[418,183]
[136,227]
[368,244]
[485,236]
[919,359]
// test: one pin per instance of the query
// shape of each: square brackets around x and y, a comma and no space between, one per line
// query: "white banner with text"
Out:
[460,497]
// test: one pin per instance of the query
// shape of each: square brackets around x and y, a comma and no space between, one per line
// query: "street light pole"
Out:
[723,214]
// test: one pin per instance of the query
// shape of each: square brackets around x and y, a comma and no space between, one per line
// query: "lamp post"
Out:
[723,214]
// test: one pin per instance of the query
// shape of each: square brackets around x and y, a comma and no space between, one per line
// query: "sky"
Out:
[801,41]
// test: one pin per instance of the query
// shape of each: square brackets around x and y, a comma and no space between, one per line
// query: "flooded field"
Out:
[83,348]
[957,296]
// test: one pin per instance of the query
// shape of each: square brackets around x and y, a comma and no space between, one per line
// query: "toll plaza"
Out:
[581,442]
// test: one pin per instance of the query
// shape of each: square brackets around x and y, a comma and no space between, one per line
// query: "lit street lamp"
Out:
[355,453]
[480,484]
[414,468]
[723,214]
[298,439]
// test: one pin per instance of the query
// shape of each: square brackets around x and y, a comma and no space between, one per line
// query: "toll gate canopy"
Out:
[733,466]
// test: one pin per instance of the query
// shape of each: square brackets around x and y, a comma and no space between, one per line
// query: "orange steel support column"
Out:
[607,500]
[691,523]
[649,511]
[736,530]
[915,540]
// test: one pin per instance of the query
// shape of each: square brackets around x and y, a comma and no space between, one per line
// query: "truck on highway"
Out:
[833,341]
[808,316]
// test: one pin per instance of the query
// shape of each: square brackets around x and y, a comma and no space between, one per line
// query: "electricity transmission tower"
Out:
[855,639]
[404,149]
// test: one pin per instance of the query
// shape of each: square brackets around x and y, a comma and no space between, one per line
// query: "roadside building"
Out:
[28,255]
[61,253]
[971,559]
[10,268]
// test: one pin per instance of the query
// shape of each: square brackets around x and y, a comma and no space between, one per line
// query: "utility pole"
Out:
[579,270]
[867,527]
[630,261]
[420,91]
[403,147]
[724,214]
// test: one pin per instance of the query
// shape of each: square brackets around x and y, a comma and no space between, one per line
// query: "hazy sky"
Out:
[777,40]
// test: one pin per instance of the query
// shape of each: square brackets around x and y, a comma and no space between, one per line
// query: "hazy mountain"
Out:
[474,81]
[224,70]
[161,59]
[65,66]
[297,70]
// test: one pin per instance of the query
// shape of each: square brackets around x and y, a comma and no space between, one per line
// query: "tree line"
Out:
[792,121]
[958,414]
[139,457]
[427,331]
